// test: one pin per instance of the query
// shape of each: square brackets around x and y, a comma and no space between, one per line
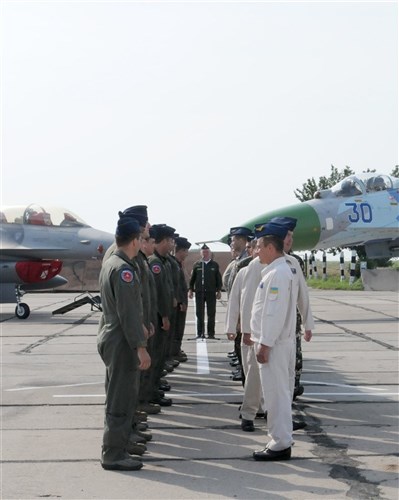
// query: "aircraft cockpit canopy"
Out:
[37,215]
[356,185]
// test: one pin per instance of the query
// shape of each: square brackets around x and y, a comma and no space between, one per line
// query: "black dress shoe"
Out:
[237,377]
[296,426]
[200,336]
[298,391]
[269,455]
[260,414]
[235,363]
[165,387]
[128,463]
[162,401]
[232,354]
[247,425]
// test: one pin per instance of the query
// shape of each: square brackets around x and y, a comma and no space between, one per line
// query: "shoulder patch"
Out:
[156,268]
[127,276]
[293,270]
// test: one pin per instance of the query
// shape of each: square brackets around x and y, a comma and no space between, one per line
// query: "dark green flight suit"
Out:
[120,334]
[142,264]
[182,300]
[174,268]
[160,270]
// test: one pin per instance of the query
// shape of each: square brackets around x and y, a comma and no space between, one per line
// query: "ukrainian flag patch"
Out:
[274,290]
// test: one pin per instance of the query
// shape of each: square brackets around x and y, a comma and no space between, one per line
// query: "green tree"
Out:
[395,171]
[311,186]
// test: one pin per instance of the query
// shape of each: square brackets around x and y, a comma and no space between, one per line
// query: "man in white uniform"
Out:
[273,324]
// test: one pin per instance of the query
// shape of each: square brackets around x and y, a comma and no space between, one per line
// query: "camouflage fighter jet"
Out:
[37,244]
[360,210]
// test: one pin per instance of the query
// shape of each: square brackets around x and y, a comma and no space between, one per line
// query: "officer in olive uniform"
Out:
[146,392]
[175,272]
[121,344]
[240,236]
[161,272]
[206,282]
[182,246]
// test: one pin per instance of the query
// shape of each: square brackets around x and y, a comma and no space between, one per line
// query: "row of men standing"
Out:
[268,300]
[144,301]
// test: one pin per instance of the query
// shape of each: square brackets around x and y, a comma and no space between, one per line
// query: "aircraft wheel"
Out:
[22,311]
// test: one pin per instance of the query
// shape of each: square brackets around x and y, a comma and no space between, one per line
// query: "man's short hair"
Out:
[126,239]
[277,242]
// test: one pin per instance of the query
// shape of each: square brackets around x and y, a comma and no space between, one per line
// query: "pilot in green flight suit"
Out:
[121,344]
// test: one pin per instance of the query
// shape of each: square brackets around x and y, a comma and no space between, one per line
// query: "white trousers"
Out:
[277,379]
[252,400]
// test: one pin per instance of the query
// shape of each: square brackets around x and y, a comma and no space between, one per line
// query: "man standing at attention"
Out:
[121,344]
[273,324]
[206,282]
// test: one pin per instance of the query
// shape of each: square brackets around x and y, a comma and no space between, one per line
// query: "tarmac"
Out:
[52,390]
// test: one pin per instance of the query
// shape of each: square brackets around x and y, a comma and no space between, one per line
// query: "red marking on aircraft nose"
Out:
[100,248]
[36,271]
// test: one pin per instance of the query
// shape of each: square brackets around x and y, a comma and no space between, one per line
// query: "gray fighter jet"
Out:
[360,210]
[38,244]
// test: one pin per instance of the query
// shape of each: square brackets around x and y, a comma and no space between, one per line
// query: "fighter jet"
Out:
[360,210]
[37,244]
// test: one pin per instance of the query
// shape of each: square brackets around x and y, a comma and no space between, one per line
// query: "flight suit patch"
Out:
[127,276]
[156,268]
[274,290]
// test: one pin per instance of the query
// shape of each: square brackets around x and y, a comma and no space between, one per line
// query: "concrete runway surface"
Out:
[52,396]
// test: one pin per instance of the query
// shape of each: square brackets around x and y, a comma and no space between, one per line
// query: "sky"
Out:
[209,113]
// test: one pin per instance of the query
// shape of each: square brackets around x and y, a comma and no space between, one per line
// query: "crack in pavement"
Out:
[342,467]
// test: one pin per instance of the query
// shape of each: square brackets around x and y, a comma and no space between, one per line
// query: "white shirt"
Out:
[251,281]
[273,316]
[233,305]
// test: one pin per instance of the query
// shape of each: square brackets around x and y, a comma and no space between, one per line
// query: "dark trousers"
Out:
[172,334]
[159,352]
[208,298]
[121,395]
[146,392]
[179,331]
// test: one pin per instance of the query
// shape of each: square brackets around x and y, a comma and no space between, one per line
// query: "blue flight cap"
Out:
[163,231]
[153,232]
[182,242]
[290,222]
[241,231]
[138,212]
[127,226]
[270,229]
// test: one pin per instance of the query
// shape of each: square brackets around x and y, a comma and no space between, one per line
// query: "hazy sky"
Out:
[210,113]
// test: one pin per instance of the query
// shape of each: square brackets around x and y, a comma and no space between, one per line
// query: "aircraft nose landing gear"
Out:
[22,310]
